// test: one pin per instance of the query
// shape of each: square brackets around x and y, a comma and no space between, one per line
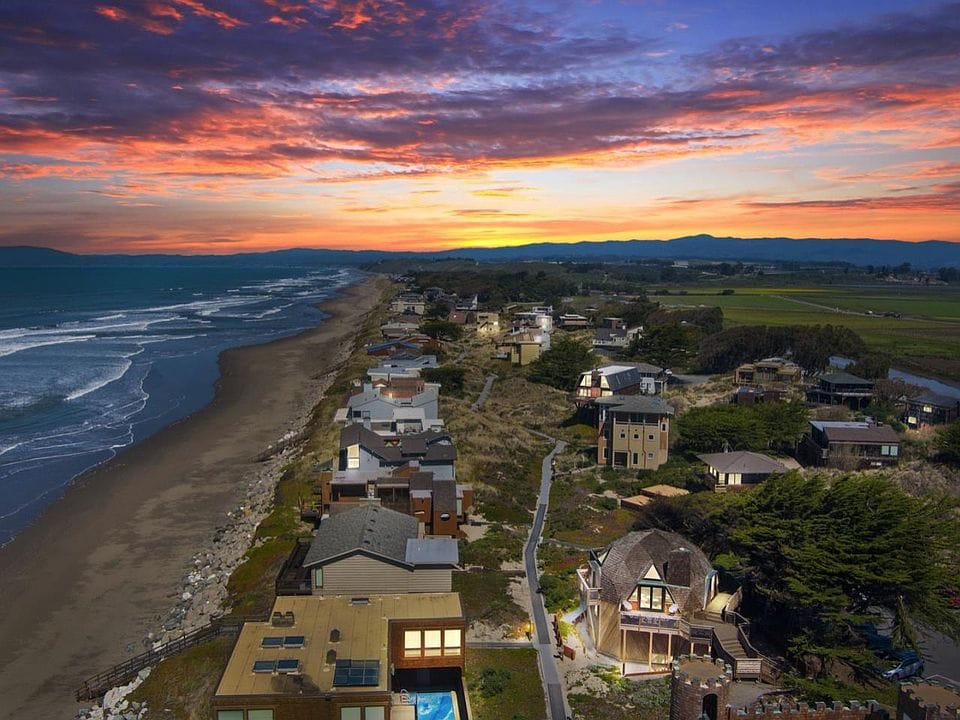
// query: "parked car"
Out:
[909,664]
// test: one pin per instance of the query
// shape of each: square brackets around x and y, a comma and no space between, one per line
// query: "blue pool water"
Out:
[435,706]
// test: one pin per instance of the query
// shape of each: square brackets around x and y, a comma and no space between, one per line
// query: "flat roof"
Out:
[664,491]
[363,635]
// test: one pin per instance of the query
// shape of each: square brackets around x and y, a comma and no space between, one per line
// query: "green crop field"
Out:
[928,327]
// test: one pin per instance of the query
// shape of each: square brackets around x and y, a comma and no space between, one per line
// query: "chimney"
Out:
[678,568]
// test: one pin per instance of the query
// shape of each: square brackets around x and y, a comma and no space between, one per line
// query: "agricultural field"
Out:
[925,335]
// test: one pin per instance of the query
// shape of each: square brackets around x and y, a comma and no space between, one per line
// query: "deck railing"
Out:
[97,686]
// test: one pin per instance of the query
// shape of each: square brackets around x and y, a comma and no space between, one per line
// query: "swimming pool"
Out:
[435,706]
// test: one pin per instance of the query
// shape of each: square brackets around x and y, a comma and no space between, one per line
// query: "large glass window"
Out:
[374,713]
[229,714]
[351,713]
[451,641]
[353,457]
[431,643]
[411,643]
[259,714]
[651,598]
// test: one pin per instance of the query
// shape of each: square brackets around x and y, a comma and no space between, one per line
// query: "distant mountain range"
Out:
[931,254]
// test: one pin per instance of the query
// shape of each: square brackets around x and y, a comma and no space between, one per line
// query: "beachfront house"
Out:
[649,597]
[348,657]
[522,347]
[616,338]
[841,388]
[850,445]
[738,469]
[364,453]
[390,411]
[409,304]
[369,549]
[537,318]
[633,431]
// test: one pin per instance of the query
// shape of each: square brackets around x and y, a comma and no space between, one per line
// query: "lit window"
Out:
[229,714]
[651,598]
[353,457]
[411,643]
[431,643]
[259,714]
[318,577]
[451,641]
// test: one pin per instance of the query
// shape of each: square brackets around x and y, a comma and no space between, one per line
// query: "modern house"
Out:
[739,469]
[609,380]
[369,549]
[364,454]
[633,431]
[850,445]
[402,365]
[616,339]
[389,411]
[930,408]
[842,388]
[346,657]
[394,346]
[488,323]
[538,318]
[522,347]
[770,371]
[572,321]
[649,597]
[440,504]
[409,304]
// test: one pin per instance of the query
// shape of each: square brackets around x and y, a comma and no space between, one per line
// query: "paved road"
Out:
[484,393]
[543,638]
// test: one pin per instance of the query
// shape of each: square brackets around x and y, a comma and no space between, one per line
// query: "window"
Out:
[288,666]
[259,714]
[444,516]
[651,598]
[353,457]
[374,713]
[294,641]
[663,427]
[431,643]
[636,436]
[411,643]
[451,641]
[351,713]
[271,642]
[264,666]
[623,435]
[318,577]
[636,458]
[650,436]
[649,456]
[229,714]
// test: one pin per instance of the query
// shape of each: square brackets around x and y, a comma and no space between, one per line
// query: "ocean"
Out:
[93,360]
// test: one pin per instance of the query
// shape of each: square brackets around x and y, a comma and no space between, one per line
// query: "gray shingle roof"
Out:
[430,446]
[742,461]
[646,404]
[629,558]
[370,529]
[936,399]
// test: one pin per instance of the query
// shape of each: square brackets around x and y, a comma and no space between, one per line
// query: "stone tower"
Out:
[927,700]
[700,686]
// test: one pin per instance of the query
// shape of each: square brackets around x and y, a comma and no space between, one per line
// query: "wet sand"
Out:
[81,587]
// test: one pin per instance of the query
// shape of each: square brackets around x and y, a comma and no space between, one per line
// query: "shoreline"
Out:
[102,566]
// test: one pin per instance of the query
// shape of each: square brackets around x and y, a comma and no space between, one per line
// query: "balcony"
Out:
[646,621]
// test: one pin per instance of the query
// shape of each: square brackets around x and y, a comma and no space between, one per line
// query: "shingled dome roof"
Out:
[628,560]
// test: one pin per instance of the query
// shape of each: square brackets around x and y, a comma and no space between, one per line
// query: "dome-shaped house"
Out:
[651,596]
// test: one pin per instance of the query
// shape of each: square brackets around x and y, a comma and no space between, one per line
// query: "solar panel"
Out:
[271,642]
[288,665]
[264,666]
[294,641]
[356,673]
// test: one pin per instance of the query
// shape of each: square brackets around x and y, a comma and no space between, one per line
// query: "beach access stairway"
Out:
[732,643]
[97,686]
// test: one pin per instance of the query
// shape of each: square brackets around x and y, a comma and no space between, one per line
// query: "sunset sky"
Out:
[234,125]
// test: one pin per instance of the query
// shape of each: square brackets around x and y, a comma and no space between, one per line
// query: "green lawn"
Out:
[929,326]
[505,685]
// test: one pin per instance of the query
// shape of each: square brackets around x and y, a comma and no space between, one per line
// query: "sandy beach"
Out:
[81,587]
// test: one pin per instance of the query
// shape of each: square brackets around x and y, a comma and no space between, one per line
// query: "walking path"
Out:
[487,386]
[543,639]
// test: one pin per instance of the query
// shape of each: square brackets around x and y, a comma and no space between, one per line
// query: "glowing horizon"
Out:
[207,126]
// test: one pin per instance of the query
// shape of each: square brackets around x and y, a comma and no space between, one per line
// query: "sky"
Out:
[219,126]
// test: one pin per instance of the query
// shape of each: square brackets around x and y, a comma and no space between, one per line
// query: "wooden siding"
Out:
[362,575]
